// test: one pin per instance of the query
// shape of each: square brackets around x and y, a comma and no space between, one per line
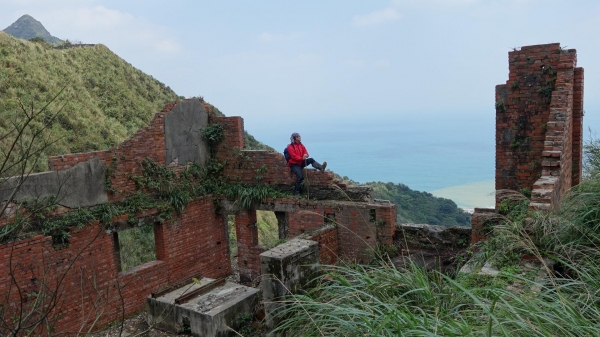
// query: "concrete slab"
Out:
[208,314]
[184,125]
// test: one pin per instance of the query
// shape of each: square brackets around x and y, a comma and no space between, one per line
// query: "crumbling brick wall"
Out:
[86,274]
[327,237]
[538,123]
[194,243]
[267,167]
[539,116]
[248,247]
[350,231]
[125,159]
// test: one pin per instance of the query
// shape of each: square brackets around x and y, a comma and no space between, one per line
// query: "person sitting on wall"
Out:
[299,159]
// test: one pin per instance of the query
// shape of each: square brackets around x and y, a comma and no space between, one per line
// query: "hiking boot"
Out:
[319,166]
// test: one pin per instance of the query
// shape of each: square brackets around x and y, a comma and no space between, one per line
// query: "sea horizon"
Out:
[452,158]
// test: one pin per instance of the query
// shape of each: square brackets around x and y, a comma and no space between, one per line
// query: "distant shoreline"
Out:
[478,194]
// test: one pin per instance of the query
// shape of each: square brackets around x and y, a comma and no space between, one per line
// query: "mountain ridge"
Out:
[27,28]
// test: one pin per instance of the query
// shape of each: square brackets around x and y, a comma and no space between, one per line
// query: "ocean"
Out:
[451,155]
[448,156]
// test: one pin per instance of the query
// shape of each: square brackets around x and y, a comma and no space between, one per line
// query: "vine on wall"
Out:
[158,186]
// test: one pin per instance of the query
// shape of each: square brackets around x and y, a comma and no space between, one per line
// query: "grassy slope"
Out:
[105,98]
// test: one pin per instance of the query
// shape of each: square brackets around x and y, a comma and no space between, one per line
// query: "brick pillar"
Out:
[386,225]
[159,241]
[481,223]
[233,136]
[577,125]
[248,248]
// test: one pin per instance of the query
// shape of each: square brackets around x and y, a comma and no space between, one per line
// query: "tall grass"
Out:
[382,300]
[386,301]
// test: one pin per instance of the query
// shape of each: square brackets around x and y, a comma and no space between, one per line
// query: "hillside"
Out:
[421,207]
[26,27]
[105,98]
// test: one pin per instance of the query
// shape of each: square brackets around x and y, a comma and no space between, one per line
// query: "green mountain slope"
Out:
[421,207]
[26,27]
[105,98]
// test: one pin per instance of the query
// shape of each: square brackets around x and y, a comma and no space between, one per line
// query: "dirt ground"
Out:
[137,326]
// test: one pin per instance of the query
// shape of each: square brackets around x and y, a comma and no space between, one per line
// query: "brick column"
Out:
[248,248]
[480,223]
[577,142]
[386,225]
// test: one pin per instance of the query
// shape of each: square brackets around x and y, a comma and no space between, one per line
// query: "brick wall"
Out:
[327,237]
[539,116]
[360,226]
[248,247]
[91,284]
[577,127]
[538,123]
[265,167]
[125,159]
[192,244]
[344,230]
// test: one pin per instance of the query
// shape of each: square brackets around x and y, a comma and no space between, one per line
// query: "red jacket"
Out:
[297,152]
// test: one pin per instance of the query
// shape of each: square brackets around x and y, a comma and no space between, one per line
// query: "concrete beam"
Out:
[81,185]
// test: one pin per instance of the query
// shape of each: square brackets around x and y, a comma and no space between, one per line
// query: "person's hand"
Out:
[305,156]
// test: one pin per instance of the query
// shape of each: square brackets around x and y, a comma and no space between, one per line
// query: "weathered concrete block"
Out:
[287,269]
[183,133]
[81,185]
[206,315]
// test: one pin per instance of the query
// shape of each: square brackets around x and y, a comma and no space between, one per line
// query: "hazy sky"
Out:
[326,62]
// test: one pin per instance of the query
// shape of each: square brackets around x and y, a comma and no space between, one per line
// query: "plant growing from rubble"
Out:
[213,133]
[500,106]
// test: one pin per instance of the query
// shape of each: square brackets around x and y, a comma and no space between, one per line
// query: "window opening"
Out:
[136,246]
[372,215]
[268,229]
[232,245]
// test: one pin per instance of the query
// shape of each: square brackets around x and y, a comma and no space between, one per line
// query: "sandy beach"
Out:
[468,196]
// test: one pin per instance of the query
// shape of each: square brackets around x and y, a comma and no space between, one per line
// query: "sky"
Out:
[293,65]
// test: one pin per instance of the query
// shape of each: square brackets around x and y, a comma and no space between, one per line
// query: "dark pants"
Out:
[297,169]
